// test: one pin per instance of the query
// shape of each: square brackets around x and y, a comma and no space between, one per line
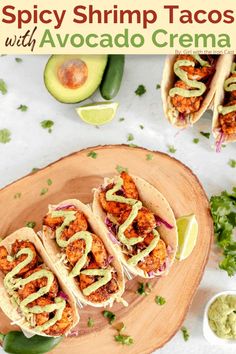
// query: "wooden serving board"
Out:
[149,324]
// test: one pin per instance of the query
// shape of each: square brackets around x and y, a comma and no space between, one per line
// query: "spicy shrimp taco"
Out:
[77,244]
[31,292]
[188,87]
[141,224]
[224,113]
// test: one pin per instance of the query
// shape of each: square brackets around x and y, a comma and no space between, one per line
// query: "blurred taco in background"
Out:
[141,224]
[224,114]
[77,244]
[188,87]
[32,294]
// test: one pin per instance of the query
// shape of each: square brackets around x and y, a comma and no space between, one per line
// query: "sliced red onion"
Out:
[220,141]
[181,116]
[169,250]
[121,192]
[151,274]
[63,207]
[73,333]
[160,221]
[110,259]
[113,238]
[111,226]
[63,295]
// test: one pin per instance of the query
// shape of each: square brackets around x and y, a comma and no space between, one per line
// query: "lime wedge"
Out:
[187,232]
[97,113]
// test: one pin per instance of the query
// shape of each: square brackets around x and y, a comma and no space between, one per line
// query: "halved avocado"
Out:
[73,78]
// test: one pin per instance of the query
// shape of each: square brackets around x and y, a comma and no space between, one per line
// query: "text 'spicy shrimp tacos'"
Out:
[224,115]
[77,244]
[31,292]
[188,87]
[141,223]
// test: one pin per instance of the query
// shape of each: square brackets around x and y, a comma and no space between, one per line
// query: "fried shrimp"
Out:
[60,327]
[186,105]
[37,284]
[114,208]
[79,224]
[41,318]
[193,72]
[228,121]
[143,224]
[156,258]
[75,250]
[103,293]
[130,189]
[7,263]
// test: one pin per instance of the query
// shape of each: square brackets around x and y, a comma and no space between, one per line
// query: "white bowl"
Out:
[210,336]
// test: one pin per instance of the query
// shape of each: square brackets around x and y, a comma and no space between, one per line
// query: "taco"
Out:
[32,294]
[188,87]
[224,113]
[141,224]
[77,244]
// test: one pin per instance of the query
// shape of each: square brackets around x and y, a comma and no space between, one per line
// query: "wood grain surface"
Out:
[149,324]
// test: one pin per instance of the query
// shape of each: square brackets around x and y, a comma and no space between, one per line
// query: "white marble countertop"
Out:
[31,146]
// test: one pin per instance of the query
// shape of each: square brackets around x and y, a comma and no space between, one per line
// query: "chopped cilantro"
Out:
[31,224]
[171,149]
[185,334]
[223,210]
[232,163]
[120,169]
[17,195]
[43,191]
[158,86]
[49,182]
[34,169]
[3,87]
[195,140]
[109,315]
[160,300]
[18,60]
[149,157]
[124,339]
[206,135]
[90,322]
[47,124]
[92,154]
[140,90]
[141,126]
[121,119]
[130,137]
[5,136]
[144,288]
[133,145]
[22,108]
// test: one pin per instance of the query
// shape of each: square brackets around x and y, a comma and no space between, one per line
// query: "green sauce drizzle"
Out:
[229,86]
[104,273]
[183,75]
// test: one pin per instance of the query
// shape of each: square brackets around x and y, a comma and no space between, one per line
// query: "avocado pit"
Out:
[73,73]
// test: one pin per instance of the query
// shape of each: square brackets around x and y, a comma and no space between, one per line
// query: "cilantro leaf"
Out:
[124,339]
[141,126]
[43,191]
[49,182]
[223,210]
[232,163]
[92,154]
[144,289]
[47,124]
[90,322]
[31,224]
[120,169]
[5,136]
[18,60]
[206,135]
[140,90]
[3,87]
[195,140]
[160,300]
[149,157]
[121,119]
[130,137]
[22,108]
[109,315]
[185,334]
[171,149]
[17,195]
[158,86]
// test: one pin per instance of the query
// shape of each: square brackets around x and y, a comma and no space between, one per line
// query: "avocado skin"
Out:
[98,73]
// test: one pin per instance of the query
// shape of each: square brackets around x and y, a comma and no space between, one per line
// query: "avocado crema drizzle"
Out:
[105,274]
[183,75]
[136,206]
[12,284]
[229,86]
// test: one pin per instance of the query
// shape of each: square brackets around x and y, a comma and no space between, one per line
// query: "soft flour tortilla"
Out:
[156,202]
[54,251]
[168,81]
[219,98]
[28,234]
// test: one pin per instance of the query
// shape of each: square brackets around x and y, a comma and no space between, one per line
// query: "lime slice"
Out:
[187,232]
[97,113]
